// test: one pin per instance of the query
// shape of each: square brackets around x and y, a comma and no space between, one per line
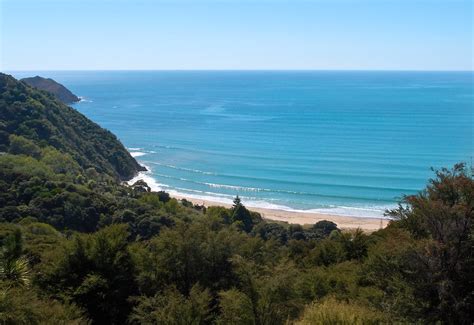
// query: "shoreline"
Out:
[367,224]
[302,218]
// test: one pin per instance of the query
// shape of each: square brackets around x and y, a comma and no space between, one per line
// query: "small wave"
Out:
[185,190]
[156,186]
[84,100]
[373,159]
[219,110]
[164,146]
[213,185]
[216,109]
[147,178]
[219,198]
[238,188]
[137,153]
[367,212]
[258,189]
[375,212]
[182,168]
[296,172]
[267,205]
[361,212]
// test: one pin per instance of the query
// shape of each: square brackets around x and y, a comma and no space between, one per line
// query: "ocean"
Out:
[341,142]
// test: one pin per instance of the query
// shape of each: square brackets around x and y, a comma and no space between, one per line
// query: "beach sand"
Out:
[303,218]
[367,224]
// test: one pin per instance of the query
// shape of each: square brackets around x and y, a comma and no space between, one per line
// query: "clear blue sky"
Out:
[232,34]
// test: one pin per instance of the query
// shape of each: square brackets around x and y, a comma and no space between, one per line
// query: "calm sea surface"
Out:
[349,143]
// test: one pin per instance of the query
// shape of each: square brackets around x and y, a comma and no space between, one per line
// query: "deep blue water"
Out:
[341,142]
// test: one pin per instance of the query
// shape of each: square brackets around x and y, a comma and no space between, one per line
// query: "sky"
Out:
[236,34]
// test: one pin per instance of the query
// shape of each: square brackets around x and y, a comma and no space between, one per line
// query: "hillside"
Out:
[38,117]
[49,85]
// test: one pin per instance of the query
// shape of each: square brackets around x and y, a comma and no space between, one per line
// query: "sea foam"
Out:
[219,198]
[137,153]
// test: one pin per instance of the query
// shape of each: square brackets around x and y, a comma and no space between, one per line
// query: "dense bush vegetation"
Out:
[37,116]
[77,247]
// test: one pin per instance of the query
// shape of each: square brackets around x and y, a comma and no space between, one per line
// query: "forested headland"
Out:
[53,87]
[79,246]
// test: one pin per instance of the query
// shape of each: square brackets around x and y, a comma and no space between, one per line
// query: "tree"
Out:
[20,305]
[327,252]
[97,273]
[60,163]
[171,307]
[355,243]
[220,214]
[323,229]
[271,230]
[442,264]
[331,311]
[235,308]
[22,146]
[270,291]
[241,215]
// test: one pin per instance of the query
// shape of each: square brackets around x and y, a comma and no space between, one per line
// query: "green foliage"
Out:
[274,231]
[198,266]
[322,229]
[187,254]
[271,290]
[236,308]
[53,190]
[24,306]
[342,280]
[333,312]
[30,118]
[60,163]
[241,215]
[220,214]
[171,307]
[22,146]
[16,271]
[151,199]
[12,246]
[388,267]
[96,272]
[440,267]
[327,252]
[354,243]
[14,267]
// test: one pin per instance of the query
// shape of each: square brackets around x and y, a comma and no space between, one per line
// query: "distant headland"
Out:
[49,85]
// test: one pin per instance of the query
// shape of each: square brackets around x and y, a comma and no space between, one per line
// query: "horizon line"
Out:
[237,70]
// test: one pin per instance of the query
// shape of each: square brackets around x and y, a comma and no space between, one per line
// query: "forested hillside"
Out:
[79,247]
[31,119]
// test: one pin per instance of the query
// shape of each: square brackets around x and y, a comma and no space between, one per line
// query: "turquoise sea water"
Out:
[349,143]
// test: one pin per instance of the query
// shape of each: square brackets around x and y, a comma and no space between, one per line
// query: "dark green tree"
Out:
[442,265]
[97,273]
[241,215]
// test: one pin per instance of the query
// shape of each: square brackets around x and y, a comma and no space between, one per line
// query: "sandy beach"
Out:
[303,218]
[368,224]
